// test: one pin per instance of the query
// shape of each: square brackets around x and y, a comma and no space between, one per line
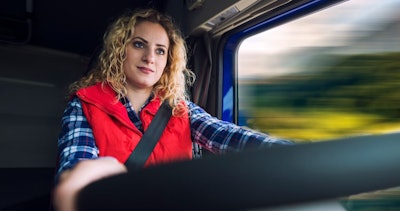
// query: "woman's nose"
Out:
[149,56]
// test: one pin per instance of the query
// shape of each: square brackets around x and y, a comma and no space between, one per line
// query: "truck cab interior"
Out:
[46,45]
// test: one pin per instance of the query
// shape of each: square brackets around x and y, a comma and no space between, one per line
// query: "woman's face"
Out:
[147,55]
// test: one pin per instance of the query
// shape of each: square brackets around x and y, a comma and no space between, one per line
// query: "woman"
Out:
[142,64]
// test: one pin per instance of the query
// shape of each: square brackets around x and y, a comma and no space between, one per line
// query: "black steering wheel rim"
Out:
[257,178]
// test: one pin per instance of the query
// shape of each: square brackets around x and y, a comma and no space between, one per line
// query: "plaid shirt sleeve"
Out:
[220,136]
[76,140]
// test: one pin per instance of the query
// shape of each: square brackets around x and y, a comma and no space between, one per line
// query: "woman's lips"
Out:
[145,69]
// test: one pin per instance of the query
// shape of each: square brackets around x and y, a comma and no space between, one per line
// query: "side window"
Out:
[330,74]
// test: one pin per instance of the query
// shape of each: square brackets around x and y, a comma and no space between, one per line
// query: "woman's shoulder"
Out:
[74,101]
[190,104]
[194,108]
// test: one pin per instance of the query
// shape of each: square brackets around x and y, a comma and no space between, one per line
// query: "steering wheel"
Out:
[255,178]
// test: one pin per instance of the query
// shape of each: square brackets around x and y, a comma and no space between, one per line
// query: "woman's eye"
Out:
[138,44]
[160,51]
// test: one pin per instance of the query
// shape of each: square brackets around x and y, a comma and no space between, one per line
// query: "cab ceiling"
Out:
[77,26]
[74,26]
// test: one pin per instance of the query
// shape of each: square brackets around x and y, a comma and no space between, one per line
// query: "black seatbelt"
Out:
[141,153]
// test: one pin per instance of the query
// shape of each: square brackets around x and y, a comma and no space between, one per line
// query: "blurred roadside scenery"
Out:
[330,74]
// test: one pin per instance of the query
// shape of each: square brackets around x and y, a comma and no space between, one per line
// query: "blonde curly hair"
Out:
[109,69]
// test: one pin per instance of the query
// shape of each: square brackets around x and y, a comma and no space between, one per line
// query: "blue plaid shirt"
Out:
[76,141]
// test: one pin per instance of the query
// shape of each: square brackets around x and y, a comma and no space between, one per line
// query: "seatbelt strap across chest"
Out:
[149,140]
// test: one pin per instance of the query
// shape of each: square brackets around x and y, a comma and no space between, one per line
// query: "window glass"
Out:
[330,74]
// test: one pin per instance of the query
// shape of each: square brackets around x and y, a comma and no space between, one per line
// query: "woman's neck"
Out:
[138,98]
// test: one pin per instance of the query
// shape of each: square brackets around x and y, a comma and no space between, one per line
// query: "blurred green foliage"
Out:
[337,95]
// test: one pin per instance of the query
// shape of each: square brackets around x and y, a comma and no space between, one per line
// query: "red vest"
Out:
[115,135]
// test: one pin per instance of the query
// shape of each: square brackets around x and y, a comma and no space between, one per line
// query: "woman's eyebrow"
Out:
[145,41]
